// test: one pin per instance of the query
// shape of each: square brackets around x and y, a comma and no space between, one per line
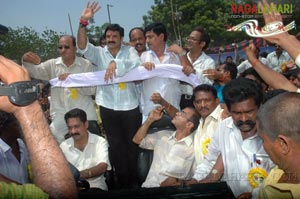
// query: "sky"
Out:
[53,14]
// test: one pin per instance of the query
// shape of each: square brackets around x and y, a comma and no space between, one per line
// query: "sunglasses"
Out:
[65,47]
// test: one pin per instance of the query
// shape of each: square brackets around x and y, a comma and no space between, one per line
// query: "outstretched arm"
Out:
[285,40]
[271,77]
[50,169]
[86,15]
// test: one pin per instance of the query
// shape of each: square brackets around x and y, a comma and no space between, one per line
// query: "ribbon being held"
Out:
[140,73]
[252,29]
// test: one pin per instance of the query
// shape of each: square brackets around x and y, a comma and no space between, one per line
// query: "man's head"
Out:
[102,41]
[228,70]
[114,35]
[228,59]
[188,118]
[156,35]
[278,126]
[250,73]
[67,47]
[294,77]
[243,97]
[198,40]
[205,99]
[77,124]
[278,50]
[137,39]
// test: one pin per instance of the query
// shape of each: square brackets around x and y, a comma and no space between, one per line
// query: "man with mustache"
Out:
[86,151]
[118,103]
[137,39]
[244,161]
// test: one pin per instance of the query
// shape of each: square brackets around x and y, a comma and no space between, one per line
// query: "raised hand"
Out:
[32,58]
[90,10]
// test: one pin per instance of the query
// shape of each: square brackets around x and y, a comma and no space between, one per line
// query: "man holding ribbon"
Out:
[118,102]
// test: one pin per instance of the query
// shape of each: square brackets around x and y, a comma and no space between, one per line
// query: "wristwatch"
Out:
[20,93]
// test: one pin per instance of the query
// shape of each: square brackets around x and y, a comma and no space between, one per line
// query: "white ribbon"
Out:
[140,73]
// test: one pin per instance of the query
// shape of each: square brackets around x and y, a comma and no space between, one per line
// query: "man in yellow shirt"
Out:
[278,126]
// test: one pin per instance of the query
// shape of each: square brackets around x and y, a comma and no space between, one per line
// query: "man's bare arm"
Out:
[50,169]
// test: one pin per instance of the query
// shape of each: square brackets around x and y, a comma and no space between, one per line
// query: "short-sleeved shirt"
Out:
[170,157]
[95,152]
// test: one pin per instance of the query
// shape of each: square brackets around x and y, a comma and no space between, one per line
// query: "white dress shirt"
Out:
[204,132]
[237,154]
[203,62]
[246,64]
[94,153]
[65,99]
[168,88]
[10,166]
[121,96]
[170,157]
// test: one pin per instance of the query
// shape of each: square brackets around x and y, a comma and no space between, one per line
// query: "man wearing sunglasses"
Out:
[173,156]
[63,99]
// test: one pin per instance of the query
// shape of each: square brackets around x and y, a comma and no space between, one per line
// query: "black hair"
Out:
[76,113]
[158,28]
[195,118]
[241,89]
[114,27]
[205,88]
[231,68]
[136,28]
[204,36]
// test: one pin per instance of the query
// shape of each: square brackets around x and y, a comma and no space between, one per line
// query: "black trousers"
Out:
[120,127]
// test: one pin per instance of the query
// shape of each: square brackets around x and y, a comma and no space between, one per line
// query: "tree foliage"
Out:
[214,15]
[17,42]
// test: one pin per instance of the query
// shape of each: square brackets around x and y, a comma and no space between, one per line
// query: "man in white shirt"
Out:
[173,156]
[246,64]
[207,104]
[158,53]
[63,99]
[118,103]
[197,60]
[244,160]
[278,58]
[86,151]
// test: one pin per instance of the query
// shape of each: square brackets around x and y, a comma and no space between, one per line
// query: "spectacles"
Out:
[192,38]
[64,46]
[183,114]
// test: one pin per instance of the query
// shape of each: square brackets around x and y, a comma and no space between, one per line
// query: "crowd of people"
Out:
[239,125]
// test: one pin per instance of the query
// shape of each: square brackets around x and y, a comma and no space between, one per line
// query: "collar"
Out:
[216,113]
[59,61]
[91,140]
[188,140]
[5,147]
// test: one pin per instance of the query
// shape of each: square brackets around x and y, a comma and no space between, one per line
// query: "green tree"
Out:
[214,15]
[16,42]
